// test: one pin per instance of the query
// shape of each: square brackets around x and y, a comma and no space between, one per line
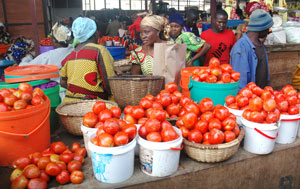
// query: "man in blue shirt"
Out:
[248,56]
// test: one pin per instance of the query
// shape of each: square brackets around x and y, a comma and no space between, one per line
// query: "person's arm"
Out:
[202,52]
[136,69]
[63,82]
[239,63]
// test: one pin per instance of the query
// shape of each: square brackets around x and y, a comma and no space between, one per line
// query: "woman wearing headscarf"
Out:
[85,71]
[152,30]
[195,45]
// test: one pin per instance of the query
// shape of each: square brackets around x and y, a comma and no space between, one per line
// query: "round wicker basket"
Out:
[130,89]
[212,153]
[71,113]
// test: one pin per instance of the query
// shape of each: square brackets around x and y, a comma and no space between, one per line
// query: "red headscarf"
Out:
[135,26]
[252,7]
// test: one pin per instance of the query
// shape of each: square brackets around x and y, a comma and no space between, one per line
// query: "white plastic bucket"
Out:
[108,43]
[112,164]
[160,158]
[288,130]
[238,114]
[86,131]
[136,149]
[259,138]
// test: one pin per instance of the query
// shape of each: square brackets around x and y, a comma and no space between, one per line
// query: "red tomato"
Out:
[214,62]
[173,109]
[196,78]
[43,162]
[226,68]
[195,136]
[164,92]
[17,93]
[206,104]
[143,132]
[4,92]
[182,111]
[291,92]
[166,100]
[256,104]
[228,124]
[74,166]
[150,97]
[216,136]
[58,147]
[203,76]
[189,120]
[192,107]
[31,171]
[166,125]
[20,104]
[178,94]
[105,115]
[130,130]
[95,140]
[226,78]
[21,162]
[128,109]
[271,117]
[10,100]
[154,137]
[279,97]
[257,117]
[52,169]
[35,157]
[37,183]
[25,87]
[235,75]
[44,175]
[19,182]
[257,90]
[184,131]
[142,120]
[229,100]
[292,100]
[61,165]
[184,100]
[232,115]
[66,157]
[266,95]
[111,126]
[129,119]
[120,138]
[221,113]
[206,137]
[38,92]
[234,106]
[152,125]
[75,146]
[236,131]
[90,119]
[36,100]
[206,116]
[171,87]
[27,96]
[99,125]
[79,158]
[202,126]
[229,136]
[283,106]
[146,103]
[81,151]
[105,140]
[293,110]
[63,177]
[286,88]
[242,101]
[76,177]
[216,71]
[156,105]
[168,134]
[158,114]
[269,105]
[174,98]
[246,92]
[246,114]
[116,112]
[214,123]
[138,112]
[211,79]
[98,107]
[179,122]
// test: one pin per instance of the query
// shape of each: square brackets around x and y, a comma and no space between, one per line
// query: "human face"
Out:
[175,30]
[191,20]
[220,23]
[148,35]
[263,34]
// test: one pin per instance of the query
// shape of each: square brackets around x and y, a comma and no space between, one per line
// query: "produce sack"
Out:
[292,30]
[169,59]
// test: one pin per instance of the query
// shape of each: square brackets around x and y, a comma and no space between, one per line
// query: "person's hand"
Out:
[189,63]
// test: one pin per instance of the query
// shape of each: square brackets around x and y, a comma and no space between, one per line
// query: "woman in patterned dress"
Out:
[152,30]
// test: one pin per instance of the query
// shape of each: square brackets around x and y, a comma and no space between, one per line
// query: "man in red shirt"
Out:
[220,39]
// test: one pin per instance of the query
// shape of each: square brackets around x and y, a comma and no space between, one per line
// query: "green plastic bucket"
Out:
[16,85]
[216,92]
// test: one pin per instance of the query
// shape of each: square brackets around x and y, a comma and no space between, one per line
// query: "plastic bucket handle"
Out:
[31,132]
[177,149]
[296,119]
[265,135]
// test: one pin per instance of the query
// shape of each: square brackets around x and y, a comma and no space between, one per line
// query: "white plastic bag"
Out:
[292,30]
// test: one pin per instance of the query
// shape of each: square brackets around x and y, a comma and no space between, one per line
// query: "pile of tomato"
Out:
[216,73]
[35,170]
[46,42]
[265,105]
[25,97]
[116,39]
[207,124]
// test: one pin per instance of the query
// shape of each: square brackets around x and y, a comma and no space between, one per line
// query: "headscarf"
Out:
[1,24]
[61,33]
[83,28]
[157,22]
[135,26]
[176,18]
[252,7]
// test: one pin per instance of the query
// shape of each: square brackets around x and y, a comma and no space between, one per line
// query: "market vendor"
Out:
[4,35]
[194,44]
[152,30]
[85,71]
[220,39]
[249,56]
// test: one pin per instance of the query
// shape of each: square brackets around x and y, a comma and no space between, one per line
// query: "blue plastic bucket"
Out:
[4,64]
[45,49]
[117,52]
[215,91]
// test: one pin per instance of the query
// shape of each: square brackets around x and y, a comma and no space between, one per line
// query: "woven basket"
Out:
[212,153]
[71,113]
[123,65]
[130,89]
